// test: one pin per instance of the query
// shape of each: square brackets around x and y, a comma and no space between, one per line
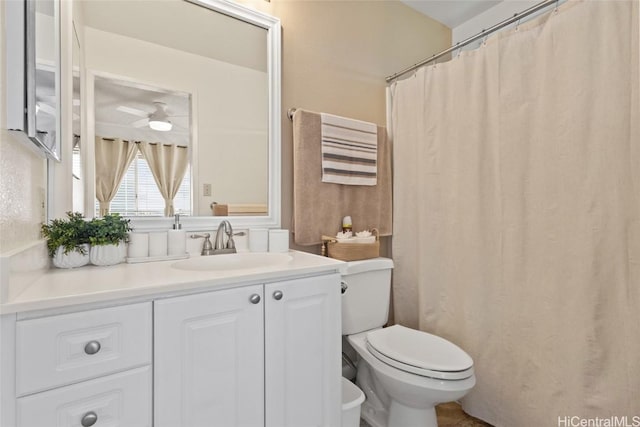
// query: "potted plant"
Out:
[108,236]
[68,240]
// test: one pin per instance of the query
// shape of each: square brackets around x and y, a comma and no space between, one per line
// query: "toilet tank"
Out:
[365,302]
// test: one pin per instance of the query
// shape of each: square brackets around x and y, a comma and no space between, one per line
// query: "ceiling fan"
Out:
[156,120]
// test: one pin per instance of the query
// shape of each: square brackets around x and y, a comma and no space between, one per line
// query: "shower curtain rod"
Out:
[481,34]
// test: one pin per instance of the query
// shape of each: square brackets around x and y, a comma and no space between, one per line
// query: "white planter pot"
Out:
[72,259]
[108,254]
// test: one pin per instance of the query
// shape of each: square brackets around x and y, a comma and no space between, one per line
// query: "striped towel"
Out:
[349,151]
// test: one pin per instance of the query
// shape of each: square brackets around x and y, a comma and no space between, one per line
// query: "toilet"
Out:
[403,372]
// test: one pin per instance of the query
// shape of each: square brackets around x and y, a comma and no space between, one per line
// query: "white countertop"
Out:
[63,288]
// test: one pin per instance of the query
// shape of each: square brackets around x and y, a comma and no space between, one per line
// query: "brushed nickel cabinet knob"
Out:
[89,419]
[92,347]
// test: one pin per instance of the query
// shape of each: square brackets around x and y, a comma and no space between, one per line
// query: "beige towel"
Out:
[318,207]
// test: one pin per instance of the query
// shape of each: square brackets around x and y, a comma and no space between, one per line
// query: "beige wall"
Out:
[335,56]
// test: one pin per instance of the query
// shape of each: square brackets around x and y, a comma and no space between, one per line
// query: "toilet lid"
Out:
[420,353]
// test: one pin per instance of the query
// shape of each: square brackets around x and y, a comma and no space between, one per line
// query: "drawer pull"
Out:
[254,299]
[92,347]
[89,419]
[277,295]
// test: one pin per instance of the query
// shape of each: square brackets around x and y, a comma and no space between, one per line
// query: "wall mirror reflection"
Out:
[142,146]
[181,110]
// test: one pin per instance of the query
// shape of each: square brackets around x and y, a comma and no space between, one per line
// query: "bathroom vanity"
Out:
[167,344]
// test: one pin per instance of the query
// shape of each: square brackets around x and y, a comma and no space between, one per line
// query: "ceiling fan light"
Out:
[160,125]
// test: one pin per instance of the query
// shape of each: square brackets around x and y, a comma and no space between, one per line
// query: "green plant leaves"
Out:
[74,231]
[70,233]
[111,229]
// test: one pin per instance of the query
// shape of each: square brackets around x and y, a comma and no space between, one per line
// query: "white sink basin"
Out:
[239,261]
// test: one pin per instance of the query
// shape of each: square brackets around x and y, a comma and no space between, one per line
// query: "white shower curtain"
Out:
[517,214]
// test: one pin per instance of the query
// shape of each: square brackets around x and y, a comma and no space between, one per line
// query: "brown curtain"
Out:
[113,157]
[517,214]
[168,164]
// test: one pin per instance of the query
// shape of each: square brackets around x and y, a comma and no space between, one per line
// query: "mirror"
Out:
[77,193]
[194,77]
[43,85]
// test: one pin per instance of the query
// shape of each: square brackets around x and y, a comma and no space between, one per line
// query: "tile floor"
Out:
[450,415]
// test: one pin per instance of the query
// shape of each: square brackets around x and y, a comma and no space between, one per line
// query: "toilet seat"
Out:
[419,353]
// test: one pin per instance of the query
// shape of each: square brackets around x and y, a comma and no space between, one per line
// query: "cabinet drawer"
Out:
[59,350]
[122,399]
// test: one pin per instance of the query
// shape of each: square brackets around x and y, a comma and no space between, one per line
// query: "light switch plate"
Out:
[206,190]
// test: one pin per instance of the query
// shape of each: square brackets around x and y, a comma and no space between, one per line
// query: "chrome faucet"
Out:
[220,247]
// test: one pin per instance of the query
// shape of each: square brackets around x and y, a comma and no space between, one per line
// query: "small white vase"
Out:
[108,254]
[71,259]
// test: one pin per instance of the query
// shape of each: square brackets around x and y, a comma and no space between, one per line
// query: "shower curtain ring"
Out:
[517,24]
[555,10]
[434,60]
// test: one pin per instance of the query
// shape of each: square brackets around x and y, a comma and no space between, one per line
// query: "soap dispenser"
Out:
[177,239]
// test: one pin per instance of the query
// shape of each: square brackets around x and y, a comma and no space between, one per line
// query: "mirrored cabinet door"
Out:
[32,54]
[43,74]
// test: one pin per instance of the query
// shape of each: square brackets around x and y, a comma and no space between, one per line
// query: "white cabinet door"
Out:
[303,353]
[118,400]
[209,359]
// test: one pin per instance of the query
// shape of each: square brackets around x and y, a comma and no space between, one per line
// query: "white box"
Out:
[138,245]
[158,244]
[258,240]
[278,240]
